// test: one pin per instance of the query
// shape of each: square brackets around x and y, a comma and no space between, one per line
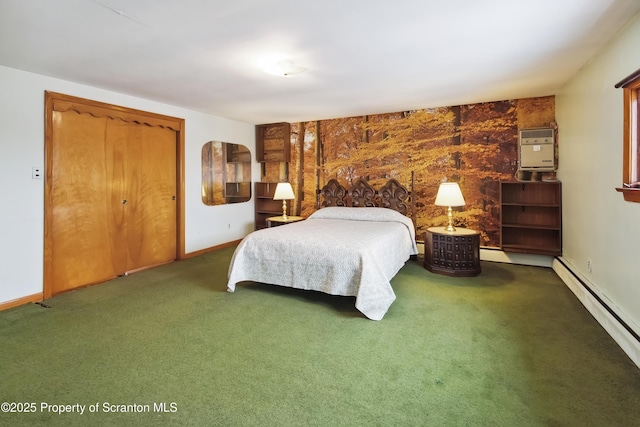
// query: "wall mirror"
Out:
[226,173]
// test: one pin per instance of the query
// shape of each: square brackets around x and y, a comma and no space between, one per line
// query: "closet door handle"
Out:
[124,201]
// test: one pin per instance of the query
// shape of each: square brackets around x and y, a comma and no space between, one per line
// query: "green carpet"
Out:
[511,347]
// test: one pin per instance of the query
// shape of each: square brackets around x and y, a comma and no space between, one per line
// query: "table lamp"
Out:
[284,192]
[449,195]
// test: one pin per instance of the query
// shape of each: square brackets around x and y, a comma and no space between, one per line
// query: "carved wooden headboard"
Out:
[391,195]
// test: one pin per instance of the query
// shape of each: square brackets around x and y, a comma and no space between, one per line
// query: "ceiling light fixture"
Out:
[284,68]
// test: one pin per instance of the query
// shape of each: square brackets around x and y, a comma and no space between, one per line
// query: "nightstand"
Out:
[454,253]
[275,221]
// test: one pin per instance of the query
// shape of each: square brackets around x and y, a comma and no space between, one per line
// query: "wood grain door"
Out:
[150,194]
[87,214]
[111,196]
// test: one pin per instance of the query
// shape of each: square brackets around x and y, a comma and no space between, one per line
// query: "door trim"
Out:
[60,102]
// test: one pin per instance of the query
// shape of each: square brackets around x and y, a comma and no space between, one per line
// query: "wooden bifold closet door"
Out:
[110,195]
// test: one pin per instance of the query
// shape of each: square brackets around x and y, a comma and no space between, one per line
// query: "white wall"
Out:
[598,225]
[22,147]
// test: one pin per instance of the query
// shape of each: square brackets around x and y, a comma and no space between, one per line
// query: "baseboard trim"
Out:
[211,249]
[621,332]
[20,301]
[497,255]
[492,254]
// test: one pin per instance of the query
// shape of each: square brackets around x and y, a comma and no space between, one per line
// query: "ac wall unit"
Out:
[536,149]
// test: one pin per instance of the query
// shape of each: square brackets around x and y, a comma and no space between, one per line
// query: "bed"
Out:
[352,246]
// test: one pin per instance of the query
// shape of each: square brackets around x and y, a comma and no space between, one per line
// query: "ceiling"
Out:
[361,56]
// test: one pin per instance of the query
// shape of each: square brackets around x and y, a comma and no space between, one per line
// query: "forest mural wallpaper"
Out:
[475,145]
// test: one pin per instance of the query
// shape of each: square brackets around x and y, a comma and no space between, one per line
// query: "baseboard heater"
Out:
[613,314]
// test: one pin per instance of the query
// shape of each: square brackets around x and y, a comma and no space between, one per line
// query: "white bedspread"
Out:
[337,250]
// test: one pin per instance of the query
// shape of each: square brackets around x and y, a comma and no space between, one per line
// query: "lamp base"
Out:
[450,228]
[284,209]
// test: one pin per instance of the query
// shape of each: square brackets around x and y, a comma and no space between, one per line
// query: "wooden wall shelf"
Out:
[273,142]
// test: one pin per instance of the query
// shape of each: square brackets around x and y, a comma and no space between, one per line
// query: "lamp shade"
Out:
[449,194]
[284,192]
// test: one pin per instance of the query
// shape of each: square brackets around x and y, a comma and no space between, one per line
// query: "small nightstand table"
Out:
[275,221]
[454,253]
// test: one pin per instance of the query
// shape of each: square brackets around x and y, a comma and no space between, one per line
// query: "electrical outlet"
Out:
[36,172]
[589,265]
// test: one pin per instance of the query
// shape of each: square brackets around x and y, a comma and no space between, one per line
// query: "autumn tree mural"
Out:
[474,145]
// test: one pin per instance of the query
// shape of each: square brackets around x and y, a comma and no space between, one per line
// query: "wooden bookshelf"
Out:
[273,152]
[531,217]
[266,207]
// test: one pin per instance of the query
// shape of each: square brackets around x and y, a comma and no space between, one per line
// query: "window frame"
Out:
[631,131]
